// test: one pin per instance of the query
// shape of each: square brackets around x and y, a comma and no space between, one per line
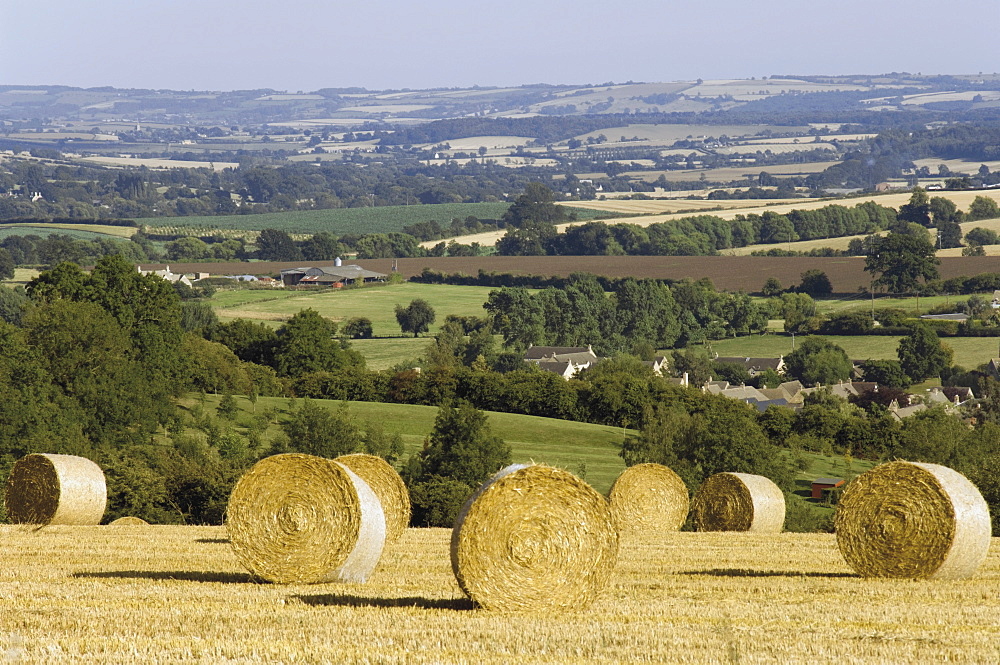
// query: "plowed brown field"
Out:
[733,273]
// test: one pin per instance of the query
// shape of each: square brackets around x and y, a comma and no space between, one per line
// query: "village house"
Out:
[566,361]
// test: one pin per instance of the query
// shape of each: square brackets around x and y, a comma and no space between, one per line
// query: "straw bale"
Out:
[129,521]
[913,520]
[534,539]
[738,502]
[297,518]
[55,489]
[649,498]
[388,486]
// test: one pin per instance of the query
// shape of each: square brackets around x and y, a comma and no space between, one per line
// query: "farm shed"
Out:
[822,484]
[329,275]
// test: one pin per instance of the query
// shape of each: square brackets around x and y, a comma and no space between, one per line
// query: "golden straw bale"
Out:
[389,487]
[129,521]
[55,489]
[649,498]
[534,539]
[297,518]
[913,520]
[738,502]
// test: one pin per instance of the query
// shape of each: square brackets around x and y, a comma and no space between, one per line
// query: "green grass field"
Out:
[911,305]
[377,302]
[342,221]
[969,351]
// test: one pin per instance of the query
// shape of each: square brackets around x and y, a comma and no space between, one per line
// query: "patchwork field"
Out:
[171,594]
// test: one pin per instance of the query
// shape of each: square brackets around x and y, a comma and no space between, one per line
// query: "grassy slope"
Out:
[590,451]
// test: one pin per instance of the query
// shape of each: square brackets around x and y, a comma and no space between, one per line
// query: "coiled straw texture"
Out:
[55,489]
[533,539]
[738,502]
[913,520]
[129,521]
[649,498]
[389,487]
[297,518]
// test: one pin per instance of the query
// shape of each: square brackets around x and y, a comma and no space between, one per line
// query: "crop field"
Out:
[176,593]
[968,351]
[339,221]
[80,231]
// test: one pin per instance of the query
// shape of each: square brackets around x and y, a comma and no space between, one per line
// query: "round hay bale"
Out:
[297,518]
[55,489]
[129,521]
[913,520]
[388,486]
[534,539]
[649,498]
[738,502]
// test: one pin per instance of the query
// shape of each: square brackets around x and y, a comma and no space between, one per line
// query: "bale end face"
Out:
[739,502]
[534,539]
[302,519]
[912,520]
[55,489]
[649,498]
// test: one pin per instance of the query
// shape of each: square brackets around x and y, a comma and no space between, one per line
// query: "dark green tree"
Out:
[536,204]
[983,207]
[463,447]
[818,361]
[358,327]
[275,245]
[315,430]
[918,209]
[416,317]
[901,261]
[772,287]
[922,354]
[815,283]
[885,373]
[306,343]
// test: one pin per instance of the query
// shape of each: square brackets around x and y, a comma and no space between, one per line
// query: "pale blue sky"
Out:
[309,44]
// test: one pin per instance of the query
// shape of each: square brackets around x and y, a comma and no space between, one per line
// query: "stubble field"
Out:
[170,594]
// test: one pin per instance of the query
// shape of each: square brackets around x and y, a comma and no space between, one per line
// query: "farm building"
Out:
[336,275]
[825,484]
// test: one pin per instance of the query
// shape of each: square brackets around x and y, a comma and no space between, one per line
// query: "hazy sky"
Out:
[309,44]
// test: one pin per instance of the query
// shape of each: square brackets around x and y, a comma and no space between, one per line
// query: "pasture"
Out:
[968,351]
[176,593]
[377,302]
